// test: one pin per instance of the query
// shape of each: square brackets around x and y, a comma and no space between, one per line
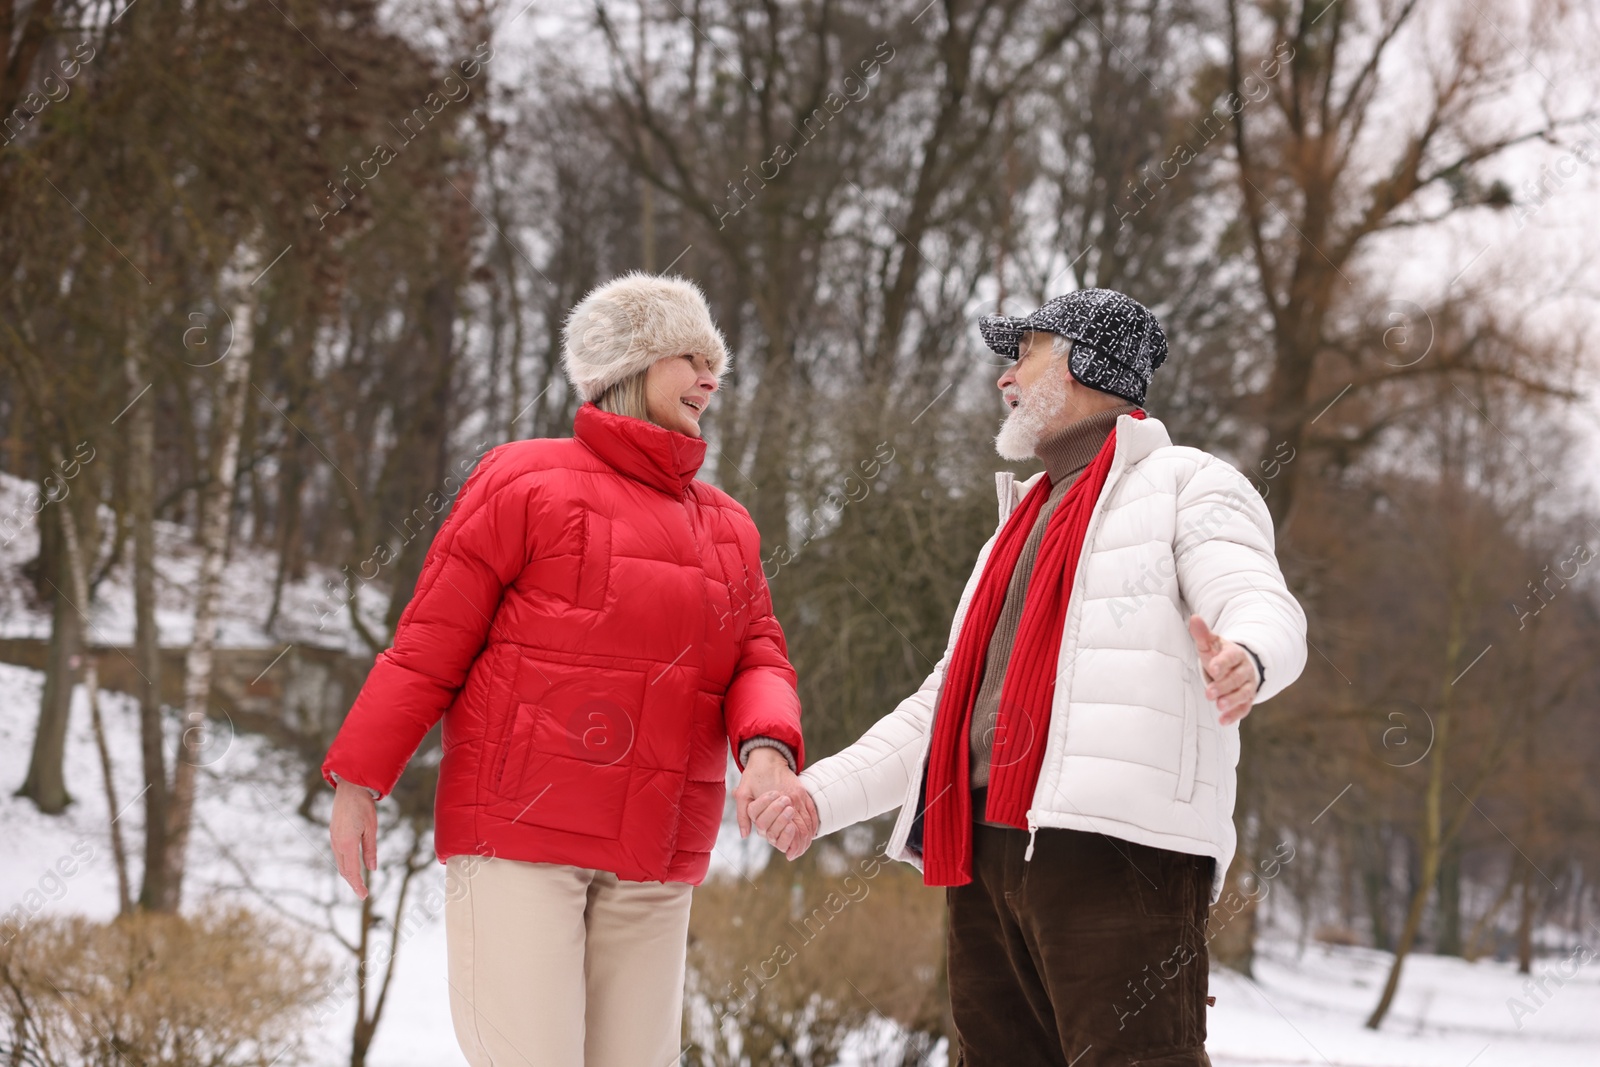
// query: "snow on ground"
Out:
[1311,1010]
[246,834]
[314,610]
[1300,1011]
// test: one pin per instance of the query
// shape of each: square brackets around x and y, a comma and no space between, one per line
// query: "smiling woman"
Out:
[592,629]
[678,390]
[672,392]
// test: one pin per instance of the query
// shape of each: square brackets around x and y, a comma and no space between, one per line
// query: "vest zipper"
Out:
[1096,520]
[1033,828]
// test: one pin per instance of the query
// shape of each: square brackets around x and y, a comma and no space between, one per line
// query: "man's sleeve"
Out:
[1228,573]
[873,775]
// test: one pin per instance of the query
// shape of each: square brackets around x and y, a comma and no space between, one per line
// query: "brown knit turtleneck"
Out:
[1065,454]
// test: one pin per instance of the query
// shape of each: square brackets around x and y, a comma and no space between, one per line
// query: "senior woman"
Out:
[593,626]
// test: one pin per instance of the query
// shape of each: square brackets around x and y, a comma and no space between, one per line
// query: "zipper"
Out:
[1096,520]
[1118,463]
[505,751]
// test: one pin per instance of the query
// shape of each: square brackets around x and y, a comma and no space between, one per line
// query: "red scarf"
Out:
[1029,688]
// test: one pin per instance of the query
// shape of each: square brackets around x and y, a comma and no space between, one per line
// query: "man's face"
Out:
[1033,361]
[1035,389]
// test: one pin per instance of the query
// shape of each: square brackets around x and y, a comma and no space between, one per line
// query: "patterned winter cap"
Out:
[1117,342]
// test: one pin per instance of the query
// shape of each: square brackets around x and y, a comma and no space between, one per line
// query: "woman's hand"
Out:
[353,830]
[787,828]
[766,772]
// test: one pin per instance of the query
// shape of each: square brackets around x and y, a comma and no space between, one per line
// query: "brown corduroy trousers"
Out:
[1090,954]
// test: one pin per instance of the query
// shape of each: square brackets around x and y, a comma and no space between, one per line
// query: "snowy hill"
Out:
[1300,1012]
[314,610]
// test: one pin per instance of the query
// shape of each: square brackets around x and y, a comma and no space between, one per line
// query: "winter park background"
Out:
[277,275]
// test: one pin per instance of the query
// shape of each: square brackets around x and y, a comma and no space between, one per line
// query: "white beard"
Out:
[1038,409]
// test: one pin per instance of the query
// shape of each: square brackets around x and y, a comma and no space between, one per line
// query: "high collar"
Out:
[1073,447]
[1136,439]
[655,455]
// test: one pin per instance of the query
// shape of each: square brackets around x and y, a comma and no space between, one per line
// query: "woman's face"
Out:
[678,390]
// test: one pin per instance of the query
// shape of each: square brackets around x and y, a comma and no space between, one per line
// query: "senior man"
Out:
[1067,770]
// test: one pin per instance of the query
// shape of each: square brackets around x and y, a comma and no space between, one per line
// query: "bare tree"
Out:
[1315,195]
[232,386]
[146,638]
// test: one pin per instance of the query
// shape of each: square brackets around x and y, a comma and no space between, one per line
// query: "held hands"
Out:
[353,830]
[771,799]
[1230,672]
[787,827]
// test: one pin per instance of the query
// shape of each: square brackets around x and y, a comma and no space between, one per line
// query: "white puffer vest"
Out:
[1134,748]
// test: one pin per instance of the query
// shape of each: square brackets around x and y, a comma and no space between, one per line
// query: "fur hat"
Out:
[628,323]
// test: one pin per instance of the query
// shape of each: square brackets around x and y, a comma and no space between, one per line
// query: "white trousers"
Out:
[558,966]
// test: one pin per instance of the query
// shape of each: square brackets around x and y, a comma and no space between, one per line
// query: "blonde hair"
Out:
[626,397]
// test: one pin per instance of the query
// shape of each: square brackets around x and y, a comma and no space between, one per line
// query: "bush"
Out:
[221,988]
[786,970]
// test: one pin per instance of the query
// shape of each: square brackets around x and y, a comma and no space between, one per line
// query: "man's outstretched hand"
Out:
[1230,672]
[767,776]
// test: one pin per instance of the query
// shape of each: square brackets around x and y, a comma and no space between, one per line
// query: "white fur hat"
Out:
[628,323]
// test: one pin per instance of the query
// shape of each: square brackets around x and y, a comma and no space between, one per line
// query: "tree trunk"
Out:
[214,525]
[1473,948]
[46,782]
[1449,940]
[119,851]
[78,564]
[773,426]
[1375,882]
[1431,850]
[1435,836]
[1525,923]
[79,570]
[146,639]
[1234,943]
[360,1030]
[365,1027]
[1233,933]
[289,533]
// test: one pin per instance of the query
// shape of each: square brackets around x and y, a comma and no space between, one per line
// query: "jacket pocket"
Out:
[588,714]
[541,783]
[1189,750]
[567,754]
[514,747]
[594,568]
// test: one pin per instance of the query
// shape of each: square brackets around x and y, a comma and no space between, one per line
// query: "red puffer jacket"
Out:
[594,626]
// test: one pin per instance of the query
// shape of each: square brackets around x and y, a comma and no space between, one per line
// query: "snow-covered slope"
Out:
[1300,1012]
[314,610]
[1449,1013]
[248,843]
